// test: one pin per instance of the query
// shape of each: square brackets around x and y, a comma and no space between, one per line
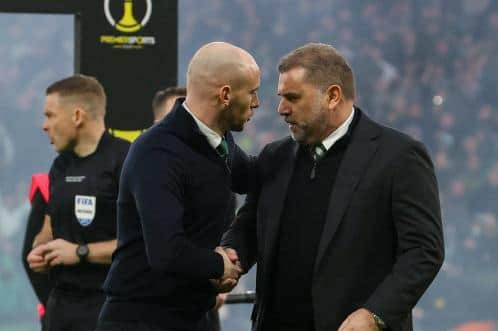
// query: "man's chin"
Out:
[60,149]
[298,138]
[237,128]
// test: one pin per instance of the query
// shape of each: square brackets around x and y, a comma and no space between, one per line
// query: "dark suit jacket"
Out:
[174,197]
[382,242]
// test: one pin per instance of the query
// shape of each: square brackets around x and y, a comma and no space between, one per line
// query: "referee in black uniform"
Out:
[79,231]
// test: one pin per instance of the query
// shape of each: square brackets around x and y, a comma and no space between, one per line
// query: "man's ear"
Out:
[334,95]
[225,94]
[79,116]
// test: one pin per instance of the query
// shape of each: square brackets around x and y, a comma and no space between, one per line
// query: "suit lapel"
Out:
[231,148]
[361,149]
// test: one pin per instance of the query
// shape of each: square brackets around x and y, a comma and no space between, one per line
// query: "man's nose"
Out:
[283,108]
[255,102]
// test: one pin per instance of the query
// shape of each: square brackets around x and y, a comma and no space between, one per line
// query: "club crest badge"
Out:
[84,209]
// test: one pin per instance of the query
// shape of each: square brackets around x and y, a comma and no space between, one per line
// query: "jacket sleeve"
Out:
[242,234]
[156,182]
[420,248]
[244,172]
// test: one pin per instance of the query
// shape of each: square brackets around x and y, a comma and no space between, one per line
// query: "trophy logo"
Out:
[128,23]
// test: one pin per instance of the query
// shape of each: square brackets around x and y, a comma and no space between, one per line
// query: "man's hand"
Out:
[231,270]
[224,286]
[359,320]
[61,252]
[232,255]
[36,259]
[231,273]
[220,301]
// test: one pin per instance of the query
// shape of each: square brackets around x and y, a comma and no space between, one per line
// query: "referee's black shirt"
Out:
[82,207]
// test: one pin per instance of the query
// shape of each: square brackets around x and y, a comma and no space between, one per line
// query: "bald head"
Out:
[217,64]
[222,84]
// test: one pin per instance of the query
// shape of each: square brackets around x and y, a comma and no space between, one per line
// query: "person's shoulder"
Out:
[119,145]
[277,152]
[120,142]
[158,136]
[398,144]
[59,165]
[61,161]
[390,136]
[400,141]
[397,136]
[158,143]
[282,145]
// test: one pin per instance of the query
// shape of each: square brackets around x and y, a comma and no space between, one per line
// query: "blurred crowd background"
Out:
[428,68]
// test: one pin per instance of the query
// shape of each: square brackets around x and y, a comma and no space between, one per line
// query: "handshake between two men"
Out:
[232,270]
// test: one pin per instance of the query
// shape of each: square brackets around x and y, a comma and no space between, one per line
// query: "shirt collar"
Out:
[339,132]
[213,138]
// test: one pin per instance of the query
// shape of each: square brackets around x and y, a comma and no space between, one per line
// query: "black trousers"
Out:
[270,324]
[71,312]
[128,326]
[206,324]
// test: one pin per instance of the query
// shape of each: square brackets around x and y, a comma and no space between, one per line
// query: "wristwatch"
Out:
[82,252]
[379,322]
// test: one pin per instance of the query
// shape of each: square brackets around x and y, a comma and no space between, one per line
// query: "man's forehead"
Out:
[54,102]
[293,79]
[53,99]
[50,101]
[295,73]
[285,89]
[288,86]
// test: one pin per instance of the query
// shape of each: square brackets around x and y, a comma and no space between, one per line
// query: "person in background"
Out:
[163,101]
[78,235]
[38,196]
